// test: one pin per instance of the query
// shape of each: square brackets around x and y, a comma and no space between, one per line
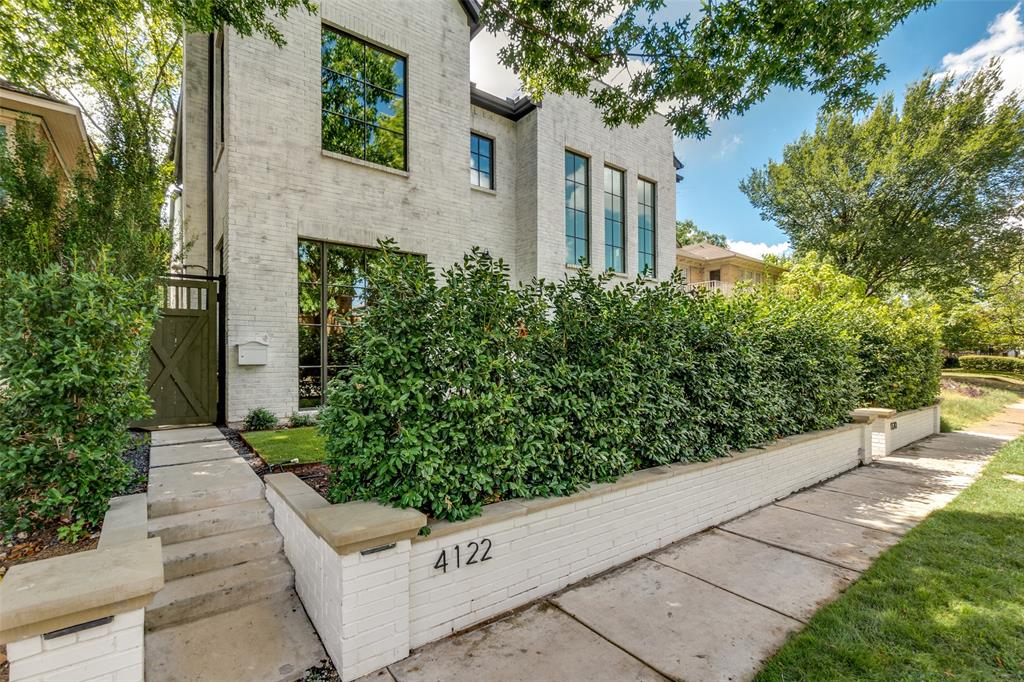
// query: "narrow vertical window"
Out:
[481,161]
[577,208]
[646,226]
[614,221]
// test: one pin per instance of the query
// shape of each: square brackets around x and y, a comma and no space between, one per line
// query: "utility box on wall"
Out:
[253,352]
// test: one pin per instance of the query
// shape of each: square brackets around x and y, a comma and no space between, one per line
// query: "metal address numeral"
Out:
[483,548]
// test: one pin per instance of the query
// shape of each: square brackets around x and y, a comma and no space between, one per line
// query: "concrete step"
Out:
[206,522]
[269,641]
[197,596]
[201,485]
[220,551]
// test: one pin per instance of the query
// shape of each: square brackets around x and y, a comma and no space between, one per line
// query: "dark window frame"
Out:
[586,209]
[653,208]
[621,197]
[365,84]
[492,185]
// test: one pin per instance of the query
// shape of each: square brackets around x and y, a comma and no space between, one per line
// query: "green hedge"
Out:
[992,363]
[72,376]
[475,390]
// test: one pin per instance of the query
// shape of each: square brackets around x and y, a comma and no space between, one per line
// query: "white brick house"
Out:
[288,167]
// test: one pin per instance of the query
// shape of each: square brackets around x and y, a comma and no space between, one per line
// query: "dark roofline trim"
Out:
[510,109]
[472,16]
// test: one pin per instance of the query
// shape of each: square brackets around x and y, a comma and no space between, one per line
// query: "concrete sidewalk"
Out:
[716,605]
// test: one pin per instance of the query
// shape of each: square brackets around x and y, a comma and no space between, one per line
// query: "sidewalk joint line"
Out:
[830,518]
[726,589]
[614,644]
[790,549]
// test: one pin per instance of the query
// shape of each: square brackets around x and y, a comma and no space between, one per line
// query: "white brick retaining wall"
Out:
[80,617]
[373,598]
[893,430]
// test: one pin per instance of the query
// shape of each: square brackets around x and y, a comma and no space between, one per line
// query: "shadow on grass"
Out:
[946,603]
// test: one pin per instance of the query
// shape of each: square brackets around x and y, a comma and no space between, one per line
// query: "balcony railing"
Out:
[711,285]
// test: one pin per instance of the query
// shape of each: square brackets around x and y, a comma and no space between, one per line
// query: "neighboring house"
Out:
[713,267]
[58,123]
[365,126]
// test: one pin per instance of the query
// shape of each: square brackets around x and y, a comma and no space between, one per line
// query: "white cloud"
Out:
[760,249]
[728,146]
[486,71]
[1005,41]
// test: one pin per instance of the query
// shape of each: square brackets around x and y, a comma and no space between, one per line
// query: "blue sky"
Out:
[709,192]
[953,35]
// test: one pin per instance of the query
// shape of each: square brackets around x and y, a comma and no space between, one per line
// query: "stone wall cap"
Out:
[50,594]
[127,520]
[873,412]
[353,526]
[296,493]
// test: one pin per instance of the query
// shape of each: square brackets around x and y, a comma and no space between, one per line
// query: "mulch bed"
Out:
[316,475]
[42,543]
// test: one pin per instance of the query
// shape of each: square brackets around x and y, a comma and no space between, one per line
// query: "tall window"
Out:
[614,221]
[481,161]
[333,289]
[577,208]
[646,221]
[363,100]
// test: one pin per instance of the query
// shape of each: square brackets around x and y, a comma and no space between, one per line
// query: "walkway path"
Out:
[715,606]
[228,610]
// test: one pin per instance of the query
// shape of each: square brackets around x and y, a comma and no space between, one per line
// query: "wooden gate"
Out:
[183,353]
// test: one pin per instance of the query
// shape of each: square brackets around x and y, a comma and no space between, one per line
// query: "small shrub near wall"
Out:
[72,376]
[992,363]
[475,391]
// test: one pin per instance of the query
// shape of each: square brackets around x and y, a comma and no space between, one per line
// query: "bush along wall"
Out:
[473,391]
[992,363]
[72,376]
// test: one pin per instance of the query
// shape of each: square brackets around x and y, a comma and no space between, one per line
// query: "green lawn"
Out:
[960,411]
[284,445]
[1003,377]
[946,603]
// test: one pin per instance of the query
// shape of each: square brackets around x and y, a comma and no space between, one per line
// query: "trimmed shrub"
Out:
[473,391]
[302,419]
[992,363]
[259,419]
[72,377]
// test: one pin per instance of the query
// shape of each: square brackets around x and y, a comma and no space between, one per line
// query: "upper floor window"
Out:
[614,221]
[577,208]
[481,161]
[645,222]
[363,100]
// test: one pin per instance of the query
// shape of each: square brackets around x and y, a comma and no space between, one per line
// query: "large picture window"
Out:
[577,208]
[362,100]
[333,288]
[614,221]
[646,224]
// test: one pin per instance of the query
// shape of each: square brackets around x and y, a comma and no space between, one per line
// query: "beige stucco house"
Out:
[713,267]
[60,124]
[295,160]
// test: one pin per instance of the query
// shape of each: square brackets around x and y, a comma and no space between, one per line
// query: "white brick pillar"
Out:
[351,566]
[80,617]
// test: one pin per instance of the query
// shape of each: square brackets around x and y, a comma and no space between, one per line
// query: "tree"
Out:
[714,65]
[687,232]
[927,198]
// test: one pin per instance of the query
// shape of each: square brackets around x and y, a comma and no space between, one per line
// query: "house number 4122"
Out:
[473,553]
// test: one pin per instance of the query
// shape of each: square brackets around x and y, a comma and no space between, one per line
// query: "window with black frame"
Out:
[481,161]
[614,220]
[333,290]
[646,216]
[363,100]
[577,208]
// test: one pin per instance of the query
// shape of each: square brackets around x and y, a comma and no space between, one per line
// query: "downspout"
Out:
[209,155]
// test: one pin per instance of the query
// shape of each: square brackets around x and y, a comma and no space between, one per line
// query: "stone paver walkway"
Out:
[228,611]
[716,605]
